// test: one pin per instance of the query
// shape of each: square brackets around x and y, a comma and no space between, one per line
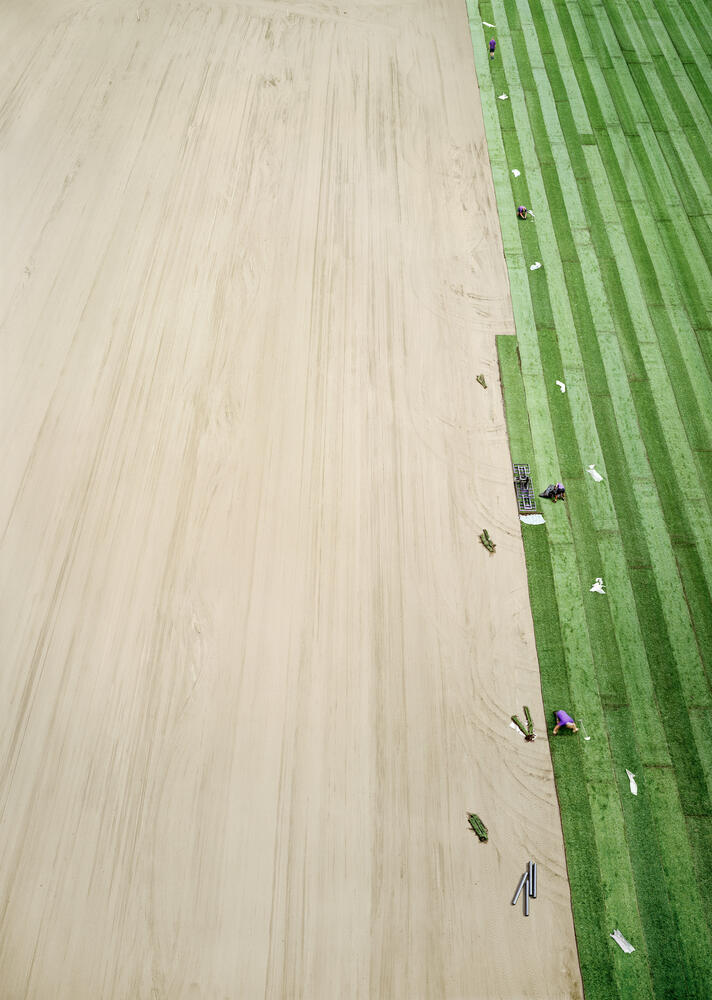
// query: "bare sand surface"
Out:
[256,666]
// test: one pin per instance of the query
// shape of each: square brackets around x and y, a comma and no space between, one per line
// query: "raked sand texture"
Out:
[256,665]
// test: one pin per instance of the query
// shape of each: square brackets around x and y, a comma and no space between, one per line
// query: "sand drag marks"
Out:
[256,665]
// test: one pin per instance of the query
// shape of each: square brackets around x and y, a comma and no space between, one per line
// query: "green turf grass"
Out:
[610,122]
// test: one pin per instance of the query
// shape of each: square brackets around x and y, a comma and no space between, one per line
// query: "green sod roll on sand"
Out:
[478,826]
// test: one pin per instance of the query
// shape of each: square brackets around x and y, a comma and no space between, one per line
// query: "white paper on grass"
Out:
[632,782]
[598,587]
[620,940]
[561,385]
[532,518]
[502,97]
[535,266]
[515,172]
[595,476]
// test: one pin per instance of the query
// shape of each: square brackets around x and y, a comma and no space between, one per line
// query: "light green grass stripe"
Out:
[546,454]
[678,868]
[581,671]
[537,399]
[577,18]
[649,731]
[633,978]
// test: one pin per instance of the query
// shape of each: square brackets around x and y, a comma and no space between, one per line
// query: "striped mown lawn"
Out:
[609,121]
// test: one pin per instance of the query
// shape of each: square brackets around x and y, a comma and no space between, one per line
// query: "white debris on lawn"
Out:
[561,385]
[535,266]
[620,940]
[595,476]
[633,783]
[597,588]
[532,518]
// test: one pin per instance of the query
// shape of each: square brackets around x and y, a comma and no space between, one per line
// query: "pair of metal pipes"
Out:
[528,884]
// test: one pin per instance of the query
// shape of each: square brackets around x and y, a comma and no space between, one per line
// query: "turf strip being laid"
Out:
[609,120]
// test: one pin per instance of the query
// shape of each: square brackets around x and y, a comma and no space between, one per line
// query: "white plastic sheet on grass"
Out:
[598,587]
[632,782]
[595,476]
[535,266]
[516,172]
[561,385]
[532,519]
[620,940]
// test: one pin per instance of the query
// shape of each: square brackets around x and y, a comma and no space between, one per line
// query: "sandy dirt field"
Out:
[256,666]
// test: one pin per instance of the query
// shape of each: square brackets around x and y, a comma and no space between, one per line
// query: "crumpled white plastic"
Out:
[595,476]
[515,172]
[561,385]
[532,518]
[598,587]
[620,940]
[502,97]
[487,24]
[632,782]
[535,266]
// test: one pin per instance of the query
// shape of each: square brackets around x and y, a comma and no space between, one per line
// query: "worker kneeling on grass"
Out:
[563,719]
[554,492]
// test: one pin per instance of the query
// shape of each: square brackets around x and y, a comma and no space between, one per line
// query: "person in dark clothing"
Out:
[554,493]
[493,46]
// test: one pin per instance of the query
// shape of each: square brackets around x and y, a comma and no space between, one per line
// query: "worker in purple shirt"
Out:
[565,720]
[493,46]
[522,212]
